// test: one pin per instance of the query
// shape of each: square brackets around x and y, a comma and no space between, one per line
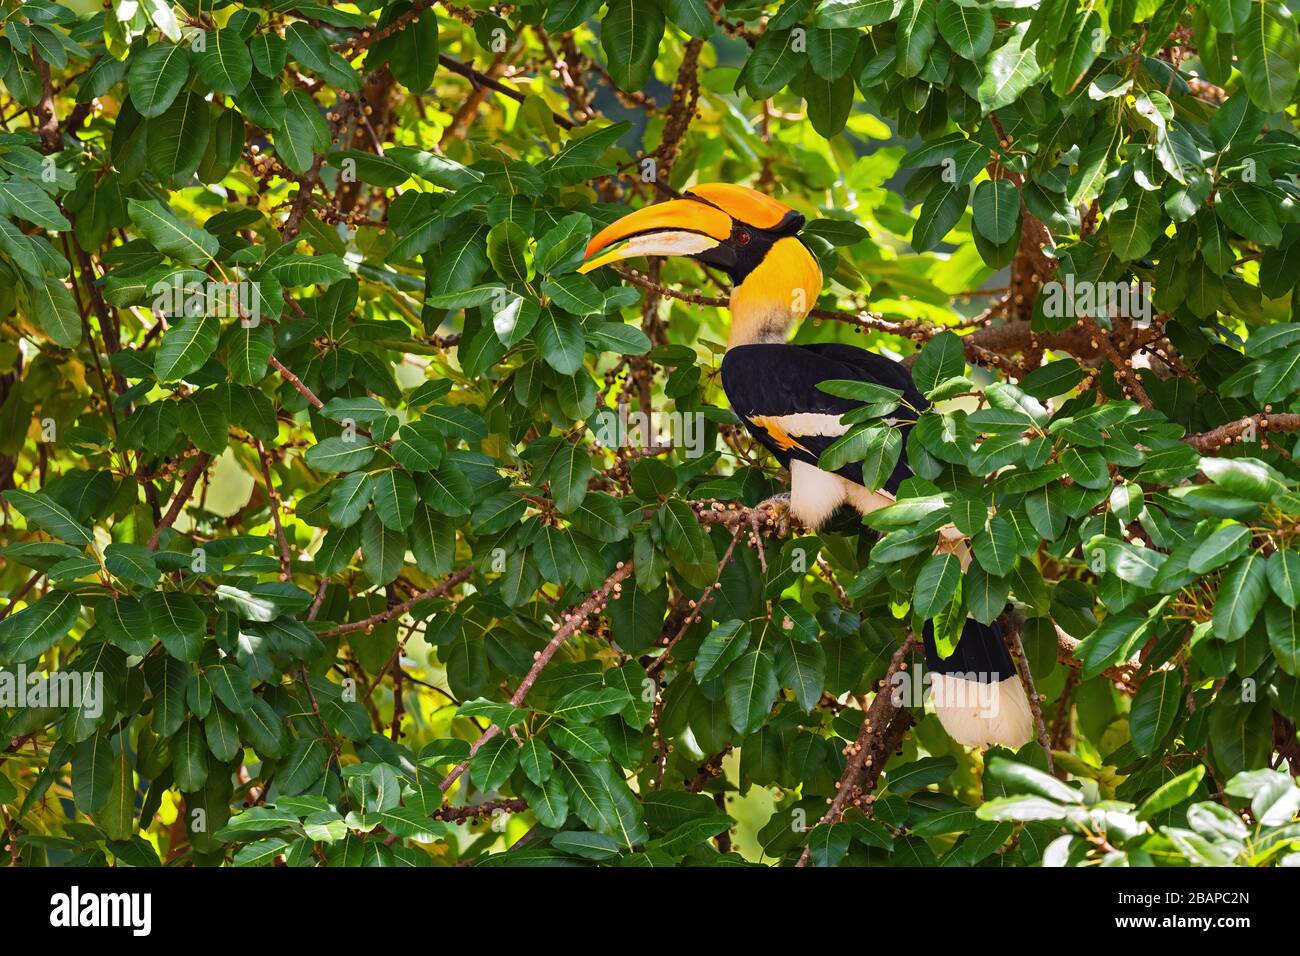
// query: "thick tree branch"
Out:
[1211,441]
[866,753]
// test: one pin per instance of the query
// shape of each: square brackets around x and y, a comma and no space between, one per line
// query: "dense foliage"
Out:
[306,448]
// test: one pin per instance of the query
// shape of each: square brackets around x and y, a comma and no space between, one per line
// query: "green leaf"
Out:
[1077,53]
[854,13]
[1171,793]
[413,56]
[830,52]
[630,33]
[1115,638]
[723,645]
[967,29]
[225,64]
[339,454]
[395,498]
[536,760]
[495,761]
[1022,778]
[996,206]
[27,201]
[1268,49]
[1222,546]
[133,563]
[548,800]
[995,547]
[881,457]
[186,347]
[1133,230]
[178,622]
[562,246]
[584,706]
[507,251]
[915,36]
[1284,576]
[1283,626]
[189,754]
[801,666]
[231,685]
[302,765]
[383,550]
[304,133]
[1008,72]
[43,512]
[936,584]
[583,742]
[751,687]
[560,340]
[941,359]
[178,139]
[155,76]
[1154,709]
[118,814]
[29,633]
[249,348]
[942,208]
[92,773]
[1248,211]
[171,236]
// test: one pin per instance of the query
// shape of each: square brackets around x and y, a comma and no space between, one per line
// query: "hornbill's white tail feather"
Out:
[977,694]
[977,714]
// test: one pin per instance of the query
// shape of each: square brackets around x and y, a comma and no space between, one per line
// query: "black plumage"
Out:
[771,380]
[980,655]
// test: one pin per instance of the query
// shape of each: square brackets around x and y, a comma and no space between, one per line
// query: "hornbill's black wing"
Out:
[773,388]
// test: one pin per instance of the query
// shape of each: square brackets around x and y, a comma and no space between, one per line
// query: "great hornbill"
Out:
[772,386]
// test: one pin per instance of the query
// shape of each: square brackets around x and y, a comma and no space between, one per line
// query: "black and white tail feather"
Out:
[977,694]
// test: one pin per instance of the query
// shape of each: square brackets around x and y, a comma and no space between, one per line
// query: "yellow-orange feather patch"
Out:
[774,427]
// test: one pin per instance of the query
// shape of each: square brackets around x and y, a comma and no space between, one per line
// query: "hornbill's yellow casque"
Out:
[772,386]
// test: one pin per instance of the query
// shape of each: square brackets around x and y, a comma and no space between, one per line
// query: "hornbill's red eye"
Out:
[742,237]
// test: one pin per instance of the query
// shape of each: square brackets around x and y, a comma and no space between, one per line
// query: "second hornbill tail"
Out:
[978,696]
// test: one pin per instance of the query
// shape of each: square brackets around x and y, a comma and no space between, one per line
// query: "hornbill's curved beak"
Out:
[731,227]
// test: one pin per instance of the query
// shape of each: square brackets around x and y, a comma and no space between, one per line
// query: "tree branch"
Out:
[594,604]
[1211,441]
[182,495]
[482,79]
[865,753]
[1011,634]
[397,610]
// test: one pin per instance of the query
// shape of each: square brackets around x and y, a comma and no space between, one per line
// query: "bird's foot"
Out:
[772,514]
[769,512]
[952,541]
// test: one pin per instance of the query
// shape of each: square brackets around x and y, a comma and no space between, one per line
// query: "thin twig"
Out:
[180,498]
[1011,634]
[572,622]
[397,610]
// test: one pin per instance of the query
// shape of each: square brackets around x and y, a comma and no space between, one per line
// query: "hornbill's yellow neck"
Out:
[751,237]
